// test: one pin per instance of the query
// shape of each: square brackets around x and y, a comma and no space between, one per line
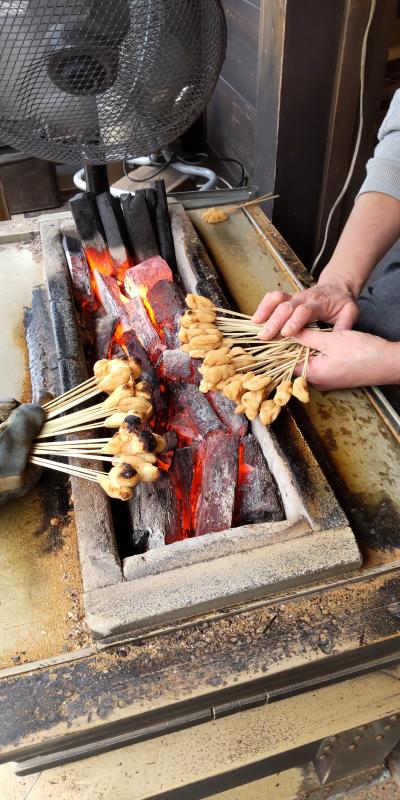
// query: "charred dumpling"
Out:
[123,475]
[116,492]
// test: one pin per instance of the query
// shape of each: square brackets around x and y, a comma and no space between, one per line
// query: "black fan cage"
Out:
[98,80]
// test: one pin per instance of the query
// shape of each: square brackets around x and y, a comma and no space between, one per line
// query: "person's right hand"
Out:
[288,314]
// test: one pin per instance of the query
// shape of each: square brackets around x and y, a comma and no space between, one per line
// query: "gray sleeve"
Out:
[383,170]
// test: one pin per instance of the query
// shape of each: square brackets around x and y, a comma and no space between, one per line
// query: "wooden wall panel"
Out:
[240,68]
[231,125]
[231,114]
[312,39]
[270,63]
[287,102]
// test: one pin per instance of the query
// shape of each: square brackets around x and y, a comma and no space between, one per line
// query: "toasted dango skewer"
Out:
[108,374]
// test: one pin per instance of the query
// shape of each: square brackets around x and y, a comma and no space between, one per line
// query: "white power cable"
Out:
[359,134]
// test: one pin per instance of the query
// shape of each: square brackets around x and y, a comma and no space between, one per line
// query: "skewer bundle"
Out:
[132,451]
[238,364]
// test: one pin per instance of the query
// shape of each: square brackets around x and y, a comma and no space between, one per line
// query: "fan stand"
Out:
[96,178]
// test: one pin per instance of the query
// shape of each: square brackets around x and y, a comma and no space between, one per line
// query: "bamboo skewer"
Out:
[262,199]
[76,390]
[78,472]
[223,211]
[80,455]
[79,443]
[75,401]
[86,414]
[76,429]
[233,313]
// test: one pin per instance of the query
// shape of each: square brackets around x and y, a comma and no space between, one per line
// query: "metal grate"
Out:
[102,79]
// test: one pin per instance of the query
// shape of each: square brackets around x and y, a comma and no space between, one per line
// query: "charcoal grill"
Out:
[271,659]
[163,585]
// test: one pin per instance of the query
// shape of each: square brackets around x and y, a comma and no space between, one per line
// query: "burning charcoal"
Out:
[145,330]
[105,328]
[116,350]
[154,512]
[191,406]
[135,350]
[142,239]
[90,229]
[181,475]
[225,410]
[110,298]
[257,495]
[176,365]
[171,440]
[151,202]
[164,231]
[112,219]
[168,305]
[146,275]
[184,427]
[217,495]
[80,274]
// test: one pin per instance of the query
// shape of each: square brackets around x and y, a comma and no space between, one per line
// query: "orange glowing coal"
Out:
[141,291]
[196,484]
[120,270]
[99,260]
[244,470]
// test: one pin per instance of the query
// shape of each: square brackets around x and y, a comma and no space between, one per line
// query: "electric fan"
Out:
[96,80]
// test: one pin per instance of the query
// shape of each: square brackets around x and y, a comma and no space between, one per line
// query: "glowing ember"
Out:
[120,271]
[99,260]
[141,291]
[245,470]
[198,460]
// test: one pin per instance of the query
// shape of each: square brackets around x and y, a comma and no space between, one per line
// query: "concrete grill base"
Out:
[218,569]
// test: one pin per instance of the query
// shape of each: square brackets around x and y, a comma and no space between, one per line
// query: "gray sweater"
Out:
[380,299]
[383,170]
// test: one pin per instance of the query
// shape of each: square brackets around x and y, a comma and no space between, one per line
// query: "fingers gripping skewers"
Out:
[132,451]
[237,363]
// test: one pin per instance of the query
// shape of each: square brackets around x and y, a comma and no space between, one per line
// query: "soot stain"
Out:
[55,502]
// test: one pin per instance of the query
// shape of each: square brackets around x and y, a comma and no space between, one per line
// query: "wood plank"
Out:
[240,67]
[269,79]
[231,124]
[228,752]
[206,664]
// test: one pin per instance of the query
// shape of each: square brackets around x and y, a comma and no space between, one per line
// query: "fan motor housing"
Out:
[84,72]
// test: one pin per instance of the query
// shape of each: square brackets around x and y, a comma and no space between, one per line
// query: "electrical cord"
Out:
[242,180]
[146,177]
[185,158]
[358,140]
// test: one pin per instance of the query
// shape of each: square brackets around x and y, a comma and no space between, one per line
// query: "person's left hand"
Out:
[348,359]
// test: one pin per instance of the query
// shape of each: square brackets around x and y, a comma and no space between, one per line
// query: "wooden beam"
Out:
[269,80]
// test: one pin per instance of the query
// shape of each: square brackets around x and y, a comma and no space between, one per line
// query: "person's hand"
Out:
[288,314]
[17,477]
[348,359]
